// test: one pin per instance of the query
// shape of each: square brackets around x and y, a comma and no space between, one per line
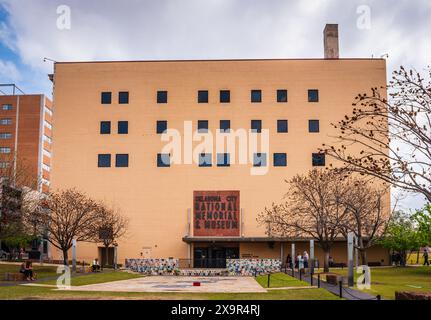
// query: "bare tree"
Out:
[368,214]
[312,208]
[66,215]
[111,227]
[393,136]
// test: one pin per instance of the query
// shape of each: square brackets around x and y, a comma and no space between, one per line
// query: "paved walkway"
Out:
[177,284]
[347,292]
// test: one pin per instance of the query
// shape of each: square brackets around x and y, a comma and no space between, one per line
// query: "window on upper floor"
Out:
[256,126]
[202,126]
[282,126]
[223,159]
[7,107]
[205,160]
[123,97]
[313,95]
[123,127]
[256,96]
[313,125]
[4,165]
[6,121]
[121,160]
[224,96]
[104,160]
[224,126]
[4,150]
[5,135]
[259,159]
[281,95]
[280,160]
[106,97]
[162,97]
[162,126]
[318,159]
[105,127]
[163,160]
[203,96]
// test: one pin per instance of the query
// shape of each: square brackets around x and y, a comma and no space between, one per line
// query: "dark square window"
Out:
[256,96]
[162,97]
[205,160]
[104,161]
[282,95]
[123,127]
[106,98]
[163,160]
[224,125]
[202,126]
[105,127]
[202,96]
[162,126]
[282,126]
[313,95]
[313,125]
[123,97]
[224,96]
[280,160]
[223,159]
[259,160]
[121,160]
[318,159]
[256,126]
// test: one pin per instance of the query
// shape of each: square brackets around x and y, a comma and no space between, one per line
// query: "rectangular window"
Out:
[7,107]
[256,126]
[104,160]
[313,95]
[318,159]
[162,126]
[4,165]
[282,126]
[105,127]
[256,96]
[123,127]
[205,160]
[123,97]
[202,96]
[224,126]
[163,160]
[5,135]
[122,160]
[282,95]
[313,125]
[6,121]
[162,97]
[202,126]
[259,160]
[223,159]
[224,96]
[106,98]
[4,150]
[280,160]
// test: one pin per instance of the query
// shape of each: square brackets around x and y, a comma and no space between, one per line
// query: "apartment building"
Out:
[135,135]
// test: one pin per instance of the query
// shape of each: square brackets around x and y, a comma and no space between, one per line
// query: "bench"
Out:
[333,278]
[409,295]
[16,276]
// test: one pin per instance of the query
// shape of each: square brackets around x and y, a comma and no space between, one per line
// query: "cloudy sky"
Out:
[205,29]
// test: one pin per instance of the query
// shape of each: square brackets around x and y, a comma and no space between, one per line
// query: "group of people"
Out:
[301,261]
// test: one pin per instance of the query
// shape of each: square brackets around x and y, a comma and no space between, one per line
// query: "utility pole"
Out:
[350,237]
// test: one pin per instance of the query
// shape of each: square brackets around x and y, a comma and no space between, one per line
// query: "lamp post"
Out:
[115,244]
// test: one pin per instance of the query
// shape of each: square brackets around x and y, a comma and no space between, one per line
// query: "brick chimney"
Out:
[330,41]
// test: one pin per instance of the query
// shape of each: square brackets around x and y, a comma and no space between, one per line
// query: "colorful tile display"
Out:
[153,266]
[251,267]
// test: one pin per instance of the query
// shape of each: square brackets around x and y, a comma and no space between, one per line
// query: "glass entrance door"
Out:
[214,257]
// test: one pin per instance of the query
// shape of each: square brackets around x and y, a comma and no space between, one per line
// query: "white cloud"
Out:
[9,72]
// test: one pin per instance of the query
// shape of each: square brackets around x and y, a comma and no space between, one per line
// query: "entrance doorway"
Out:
[214,257]
[106,259]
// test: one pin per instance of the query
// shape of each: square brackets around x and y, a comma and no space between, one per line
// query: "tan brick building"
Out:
[108,130]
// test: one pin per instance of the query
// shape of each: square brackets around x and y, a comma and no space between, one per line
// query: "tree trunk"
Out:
[364,259]
[326,260]
[65,257]
[106,256]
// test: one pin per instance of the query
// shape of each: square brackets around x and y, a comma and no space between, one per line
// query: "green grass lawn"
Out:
[41,271]
[386,280]
[279,280]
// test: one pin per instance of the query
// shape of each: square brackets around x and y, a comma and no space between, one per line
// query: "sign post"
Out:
[74,255]
[350,237]
[312,257]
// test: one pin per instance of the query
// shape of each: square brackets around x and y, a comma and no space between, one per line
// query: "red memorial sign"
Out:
[216,213]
